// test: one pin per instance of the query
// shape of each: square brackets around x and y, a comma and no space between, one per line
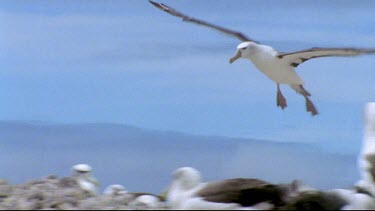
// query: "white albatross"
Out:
[115,190]
[187,191]
[82,174]
[277,66]
[366,159]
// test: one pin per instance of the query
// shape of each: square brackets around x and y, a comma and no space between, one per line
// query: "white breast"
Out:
[264,58]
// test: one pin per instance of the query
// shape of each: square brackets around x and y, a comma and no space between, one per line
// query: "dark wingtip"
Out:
[156,4]
[152,2]
[370,51]
[161,6]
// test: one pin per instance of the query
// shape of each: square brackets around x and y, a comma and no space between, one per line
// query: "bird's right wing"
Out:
[186,18]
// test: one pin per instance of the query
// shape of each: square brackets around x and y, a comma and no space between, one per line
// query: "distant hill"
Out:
[143,159]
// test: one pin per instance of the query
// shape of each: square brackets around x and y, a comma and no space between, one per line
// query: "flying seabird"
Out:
[277,66]
[187,191]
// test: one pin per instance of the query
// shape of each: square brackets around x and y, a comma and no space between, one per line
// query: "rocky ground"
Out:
[55,193]
[60,193]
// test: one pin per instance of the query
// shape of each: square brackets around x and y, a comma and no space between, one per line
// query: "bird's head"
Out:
[244,50]
[81,170]
[187,177]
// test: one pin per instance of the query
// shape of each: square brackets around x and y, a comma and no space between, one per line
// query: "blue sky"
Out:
[127,62]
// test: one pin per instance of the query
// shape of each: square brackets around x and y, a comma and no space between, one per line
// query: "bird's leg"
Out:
[302,91]
[309,105]
[280,99]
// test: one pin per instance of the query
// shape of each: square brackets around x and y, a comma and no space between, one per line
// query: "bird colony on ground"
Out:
[187,190]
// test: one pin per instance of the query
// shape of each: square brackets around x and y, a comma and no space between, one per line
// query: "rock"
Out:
[54,193]
[68,182]
[5,190]
[3,182]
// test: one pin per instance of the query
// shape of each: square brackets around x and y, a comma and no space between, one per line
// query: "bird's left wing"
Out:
[184,17]
[298,57]
[243,191]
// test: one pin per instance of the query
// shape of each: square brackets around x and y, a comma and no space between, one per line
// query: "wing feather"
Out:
[246,192]
[298,57]
[186,18]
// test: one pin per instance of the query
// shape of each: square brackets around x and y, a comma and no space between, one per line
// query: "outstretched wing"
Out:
[184,17]
[298,57]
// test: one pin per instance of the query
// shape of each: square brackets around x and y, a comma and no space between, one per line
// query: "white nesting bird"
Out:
[354,200]
[137,200]
[367,156]
[277,66]
[115,190]
[82,174]
[187,191]
[147,201]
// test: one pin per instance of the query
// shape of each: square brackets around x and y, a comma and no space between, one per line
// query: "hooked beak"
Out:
[235,57]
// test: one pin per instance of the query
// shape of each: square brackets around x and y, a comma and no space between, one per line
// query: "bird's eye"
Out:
[243,48]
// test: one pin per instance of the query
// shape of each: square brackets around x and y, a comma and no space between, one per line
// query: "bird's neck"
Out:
[176,195]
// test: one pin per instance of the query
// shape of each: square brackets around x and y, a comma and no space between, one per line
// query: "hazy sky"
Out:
[127,62]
